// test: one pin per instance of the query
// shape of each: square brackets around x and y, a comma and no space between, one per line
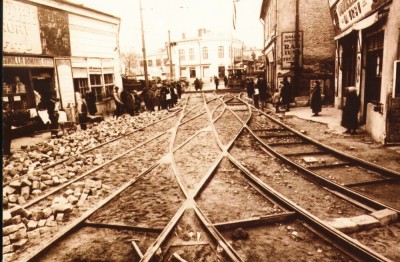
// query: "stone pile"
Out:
[25,175]
[21,225]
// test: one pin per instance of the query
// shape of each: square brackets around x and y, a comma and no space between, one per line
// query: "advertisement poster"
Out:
[65,83]
[20,28]
[54,32]
[288,50]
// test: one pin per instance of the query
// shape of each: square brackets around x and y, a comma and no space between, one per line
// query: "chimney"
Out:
[183,36]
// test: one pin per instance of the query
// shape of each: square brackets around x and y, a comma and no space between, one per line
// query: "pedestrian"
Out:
[82,109]
[256,94]
[130,104]
[163,97]
[124,99]
[179,89]
[6,132]
[316,101]
[286,93]
[216,82]
[52,110]
[157,97]
[225,81]
[350,111]
[197,84]
[276,100]
[90,100]
[249,88]
[118,103]
[262,88]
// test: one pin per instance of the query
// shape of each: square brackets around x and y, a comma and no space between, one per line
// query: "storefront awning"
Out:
[365,23]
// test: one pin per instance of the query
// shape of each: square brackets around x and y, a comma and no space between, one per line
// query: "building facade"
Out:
[57,46]
[205,55]
[367,57]
[298,44]
[157,63]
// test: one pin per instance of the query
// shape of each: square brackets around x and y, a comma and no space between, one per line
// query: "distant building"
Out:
[205,55]
[368,57]
[298,44]
[157,63]
[253,59]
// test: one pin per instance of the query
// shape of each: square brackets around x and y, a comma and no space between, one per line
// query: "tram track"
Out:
[201,213]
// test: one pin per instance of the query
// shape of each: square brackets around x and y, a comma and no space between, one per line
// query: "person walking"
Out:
[256,94]
[225,81]
[249,88]
[276,99]
[216,82]
[350,111]
[286,93]
[81,108]
[316,101]
[118,103]
[52,110]
[262,88]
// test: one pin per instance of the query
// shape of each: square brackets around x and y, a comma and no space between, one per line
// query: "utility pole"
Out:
[296,77]
[146,78]
[170,56]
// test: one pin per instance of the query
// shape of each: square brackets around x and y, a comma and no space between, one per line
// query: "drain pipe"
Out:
[296,69]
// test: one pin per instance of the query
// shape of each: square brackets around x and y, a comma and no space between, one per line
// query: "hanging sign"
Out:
[347,12]
[289,48]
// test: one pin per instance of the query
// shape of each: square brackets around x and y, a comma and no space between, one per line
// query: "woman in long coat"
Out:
[350,111]
[316,101]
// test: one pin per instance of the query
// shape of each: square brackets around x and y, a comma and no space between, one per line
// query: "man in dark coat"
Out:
[316,101]
[225,81]
[52,110]
[179,89]
[163,97]
[286,93]
[197,84]
[350,111]
[90,99]
[249,88]
[216,81]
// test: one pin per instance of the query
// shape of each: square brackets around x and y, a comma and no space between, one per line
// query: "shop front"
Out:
[367,47]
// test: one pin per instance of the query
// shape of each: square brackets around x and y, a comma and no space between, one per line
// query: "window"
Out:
[181,55]
[109,84]
[150,62]
[81,84]
[205,53]
[158,62]
[220,52]
[97,88]
[191,53]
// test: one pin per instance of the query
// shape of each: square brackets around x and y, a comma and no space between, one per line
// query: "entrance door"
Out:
[192,72]
[373,70]
[221,71]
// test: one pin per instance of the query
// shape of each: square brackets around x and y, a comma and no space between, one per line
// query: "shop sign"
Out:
[289,48]
[26,61]
[20,28]
[54,32]
[347,12]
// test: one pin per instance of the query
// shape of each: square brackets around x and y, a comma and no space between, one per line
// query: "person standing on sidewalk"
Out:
[350,111]
[256,94]
[262,88]
[216,81]
[225,81]
[118,103]
[286,93]
[316,101]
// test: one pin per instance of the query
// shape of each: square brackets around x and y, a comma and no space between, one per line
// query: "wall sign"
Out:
[288,50]
[20,28]
[26,61]
[347,12]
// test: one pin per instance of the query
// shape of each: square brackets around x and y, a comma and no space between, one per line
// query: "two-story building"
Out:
[298,44]
[57,46]
[205,55]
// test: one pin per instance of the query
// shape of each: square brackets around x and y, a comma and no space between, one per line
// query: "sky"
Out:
[180,16]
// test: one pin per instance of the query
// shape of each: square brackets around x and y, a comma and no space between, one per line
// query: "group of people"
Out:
[257,90]
[163,95]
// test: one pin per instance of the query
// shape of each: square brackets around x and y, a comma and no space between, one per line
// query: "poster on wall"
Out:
[288,49]
[54,32]
[65,82]
[20,28]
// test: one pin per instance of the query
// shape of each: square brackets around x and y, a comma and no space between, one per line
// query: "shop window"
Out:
[109,84]
[220,52]
[97,88]
[374,62]
[191,53]
[82,85]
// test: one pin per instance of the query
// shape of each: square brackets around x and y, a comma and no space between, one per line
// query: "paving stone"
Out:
[43,230]
[21,200]
[6,217]
[15,184]
[365,221]
[7,190]
[37,215]
[8,249]
[25,192]
[42,223]
[6,241]
[385,216]
[16,220]
[63,180]
[47,212]
[68,192]
[20,234]
[345,225]
[26,182]
[32,224]
[35,184]
[33,234]
[72,199]
[13,198]
[310,159]
[48,182]
[8,257]
[37,192]
[60,217]
[18,210]
[56,180]
[20,243]
[10,229]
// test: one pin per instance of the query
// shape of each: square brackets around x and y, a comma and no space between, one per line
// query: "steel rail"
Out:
[352,247]
[76,224]
[55,190]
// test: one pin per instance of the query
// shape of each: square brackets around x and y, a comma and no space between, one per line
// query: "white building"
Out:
[57,45]
[205,55]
